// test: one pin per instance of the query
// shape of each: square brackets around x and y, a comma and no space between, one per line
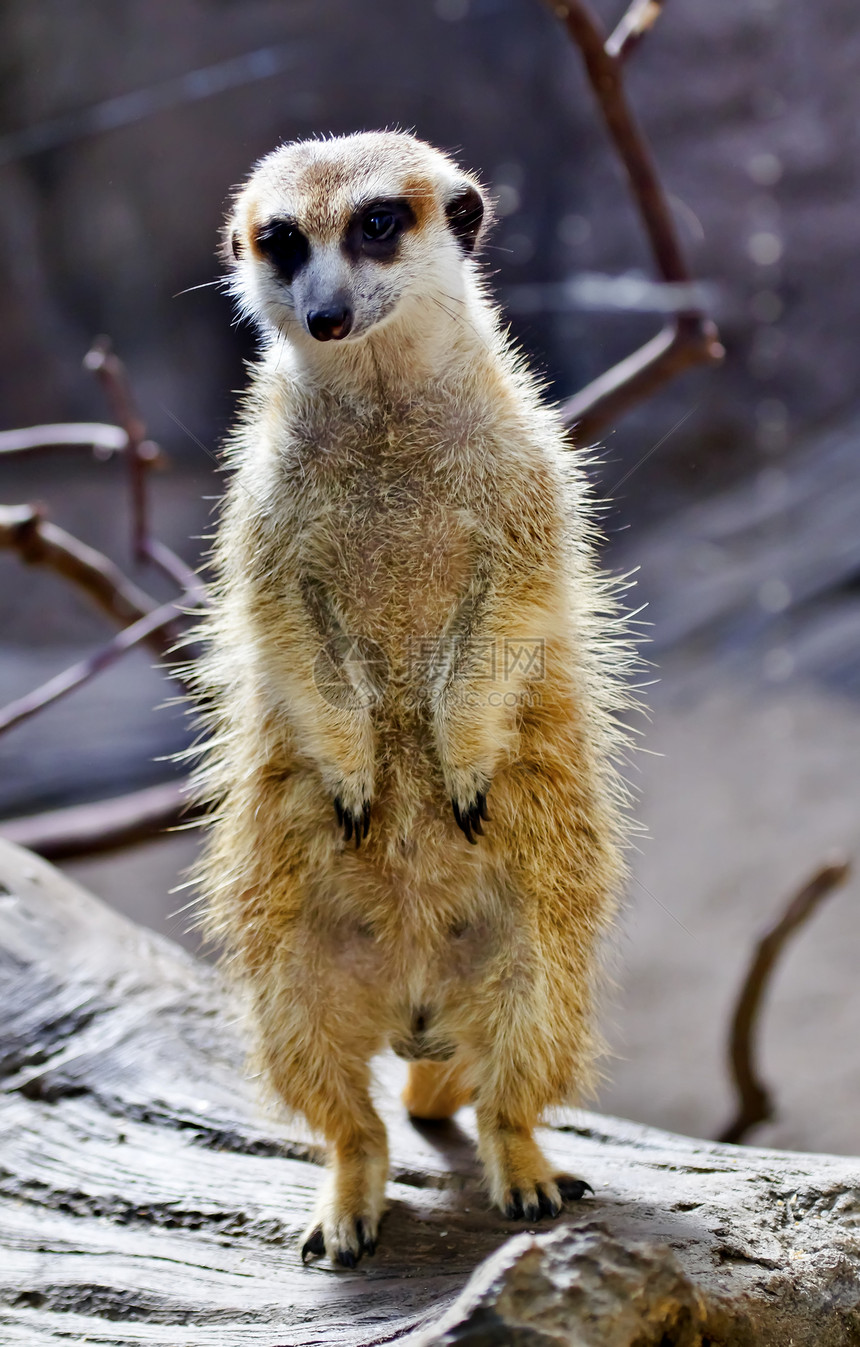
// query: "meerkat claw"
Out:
[469,819]
[314,1244]
[513,1208]
[463,823]
[354,825]
[365,1239]
[547,1205]
[571,1189]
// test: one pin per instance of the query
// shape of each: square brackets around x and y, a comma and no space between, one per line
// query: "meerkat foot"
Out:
[345,1242]
[532,1203]
[522,1183]
[345,1223]
[545,1198]
[354,821]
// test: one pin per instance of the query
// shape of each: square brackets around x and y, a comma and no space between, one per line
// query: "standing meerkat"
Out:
[412,674]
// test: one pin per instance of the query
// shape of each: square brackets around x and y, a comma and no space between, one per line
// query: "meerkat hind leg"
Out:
[434,1091]
[330,1085]
[345,1223]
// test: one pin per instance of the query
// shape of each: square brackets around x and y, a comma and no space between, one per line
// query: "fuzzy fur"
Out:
[408,486]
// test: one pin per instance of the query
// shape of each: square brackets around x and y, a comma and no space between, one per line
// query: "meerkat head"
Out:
[328,239]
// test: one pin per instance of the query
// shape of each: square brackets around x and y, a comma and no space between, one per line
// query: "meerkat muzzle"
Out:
[330,324]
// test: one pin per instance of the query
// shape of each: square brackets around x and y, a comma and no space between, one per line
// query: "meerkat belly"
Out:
[417,955]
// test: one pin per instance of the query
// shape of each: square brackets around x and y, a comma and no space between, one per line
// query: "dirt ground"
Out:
[744,793]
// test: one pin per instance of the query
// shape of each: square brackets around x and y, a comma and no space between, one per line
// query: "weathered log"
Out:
[146,1198]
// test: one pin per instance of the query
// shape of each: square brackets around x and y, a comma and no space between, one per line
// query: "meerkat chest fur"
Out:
[387,507]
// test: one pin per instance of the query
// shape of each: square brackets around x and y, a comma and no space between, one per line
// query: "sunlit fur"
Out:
[407,484]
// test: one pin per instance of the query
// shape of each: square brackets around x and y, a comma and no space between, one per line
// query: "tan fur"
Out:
[408,486]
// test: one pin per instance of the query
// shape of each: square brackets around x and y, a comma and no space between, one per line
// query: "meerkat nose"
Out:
[330,324]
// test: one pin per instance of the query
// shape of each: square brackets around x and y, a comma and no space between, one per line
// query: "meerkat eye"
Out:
[378,225]
[375,230]
[285,246]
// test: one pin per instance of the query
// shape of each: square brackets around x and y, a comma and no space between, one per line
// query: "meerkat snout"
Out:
[330,324]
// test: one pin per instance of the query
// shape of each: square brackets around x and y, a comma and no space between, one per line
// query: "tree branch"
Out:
[692,339]
[105,440]
[634,379]
[639,20]
[141,454]
[105,825]
[86,669]
[755,1103]
[40,543]
[110,372]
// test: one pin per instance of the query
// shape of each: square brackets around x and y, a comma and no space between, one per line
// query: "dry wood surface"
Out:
[147,1198]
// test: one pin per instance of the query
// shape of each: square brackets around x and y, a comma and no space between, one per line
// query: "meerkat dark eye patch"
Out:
[375,230]
[464,213]
[284,245]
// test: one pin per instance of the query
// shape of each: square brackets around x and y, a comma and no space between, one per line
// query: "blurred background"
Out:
[735,491]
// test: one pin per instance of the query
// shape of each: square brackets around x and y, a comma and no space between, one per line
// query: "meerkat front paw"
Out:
[352,799]
[469,803]
[355,822]
[469,816]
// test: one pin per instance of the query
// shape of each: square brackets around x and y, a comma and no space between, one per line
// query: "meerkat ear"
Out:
[464,211]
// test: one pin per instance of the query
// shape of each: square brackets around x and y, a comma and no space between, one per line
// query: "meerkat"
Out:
[413,675]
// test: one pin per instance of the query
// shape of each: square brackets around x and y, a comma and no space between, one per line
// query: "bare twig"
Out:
[102,361]
[40,543]
[103,439]
[634,379]
[141,455]
[86,669]
[755,1104]
[86,829]
[639,20]
[162,556]
[692,338]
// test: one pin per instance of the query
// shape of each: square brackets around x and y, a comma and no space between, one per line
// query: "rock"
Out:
[578,1287]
